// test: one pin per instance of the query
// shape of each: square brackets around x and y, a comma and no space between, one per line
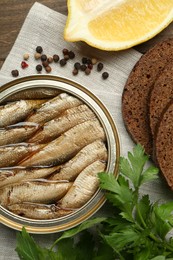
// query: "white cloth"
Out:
[44,27]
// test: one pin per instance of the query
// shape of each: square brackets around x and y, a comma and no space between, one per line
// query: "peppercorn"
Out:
[37,55]
[99,66]
[84,60]
[39,67]
[105,75]
[87,71]
[65,51]
[45,63]
[43,57]
[49,59]
[62,62]
[75,72]
[15,73]
[55,58]
[89,61]
[94,61]
[39,49]
[83,67]
[77,65]
[26,56]
[71,54]
[90,66]
[66,57]
[48,69]
[24,65]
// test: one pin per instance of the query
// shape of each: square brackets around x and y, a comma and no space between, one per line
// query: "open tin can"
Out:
[43,84]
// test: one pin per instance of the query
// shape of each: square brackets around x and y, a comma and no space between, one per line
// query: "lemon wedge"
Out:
[118,24]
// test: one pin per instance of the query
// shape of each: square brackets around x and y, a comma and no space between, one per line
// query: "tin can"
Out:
[42,84]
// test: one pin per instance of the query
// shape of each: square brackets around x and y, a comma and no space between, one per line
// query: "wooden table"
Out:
[13,13]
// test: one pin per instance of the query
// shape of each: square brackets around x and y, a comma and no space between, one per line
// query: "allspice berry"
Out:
[87,71]
[75,72]
[45,63]
[50,59]
[48,69]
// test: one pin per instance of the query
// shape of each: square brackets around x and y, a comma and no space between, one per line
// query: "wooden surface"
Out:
[12,16]
[13,13]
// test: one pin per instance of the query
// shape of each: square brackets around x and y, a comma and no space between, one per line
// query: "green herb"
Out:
[136,230]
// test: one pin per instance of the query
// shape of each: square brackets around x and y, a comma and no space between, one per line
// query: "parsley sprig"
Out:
[137,229]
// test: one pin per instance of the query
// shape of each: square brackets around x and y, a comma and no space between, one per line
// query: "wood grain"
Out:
[13,14]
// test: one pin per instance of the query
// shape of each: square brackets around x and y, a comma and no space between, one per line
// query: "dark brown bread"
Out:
[163,145]
[135,99]
[161,95]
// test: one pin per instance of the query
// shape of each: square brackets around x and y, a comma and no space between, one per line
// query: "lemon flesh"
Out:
[118,24]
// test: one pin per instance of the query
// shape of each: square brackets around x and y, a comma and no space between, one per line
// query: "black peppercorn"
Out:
[62,62]
[39,49]
[83,67]
[84,60]
[43,57]
[15,73]
[105,75]
[39,68]
[55,58]
[99,66]
[89,61]
[71,54]
[77,65]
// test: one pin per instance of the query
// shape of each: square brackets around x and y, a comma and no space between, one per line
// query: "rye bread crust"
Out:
[161,95]
[163,145]
[136,94]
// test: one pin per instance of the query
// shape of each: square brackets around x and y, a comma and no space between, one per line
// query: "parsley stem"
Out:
[140,216]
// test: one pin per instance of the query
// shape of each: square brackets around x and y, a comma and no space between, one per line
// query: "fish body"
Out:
[15,112]
[90,153]
[53,108]
[35,93]
[13,175]
[17,133]
[38,211]
[10,155]
[83,187]
[33,191]
[64,122]
[67,145]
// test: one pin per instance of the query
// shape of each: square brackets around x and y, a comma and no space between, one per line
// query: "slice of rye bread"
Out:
[161,95]
[135,98]
[163,145]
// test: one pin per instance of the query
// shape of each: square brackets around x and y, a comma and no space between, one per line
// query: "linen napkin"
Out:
[44,27]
